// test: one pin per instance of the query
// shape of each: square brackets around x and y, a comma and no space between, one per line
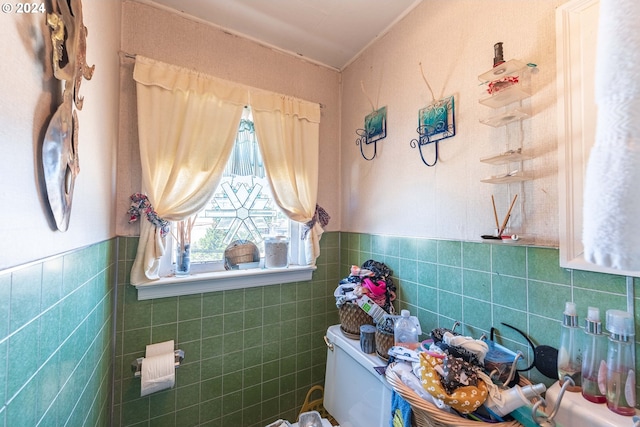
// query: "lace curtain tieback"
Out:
[140,205]
[320,216]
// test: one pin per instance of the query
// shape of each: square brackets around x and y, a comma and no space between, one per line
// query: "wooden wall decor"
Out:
[60,159]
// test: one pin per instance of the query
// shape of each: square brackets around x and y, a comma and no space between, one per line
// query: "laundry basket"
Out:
[351,318]
[315,402]
[384,341]
[426,414]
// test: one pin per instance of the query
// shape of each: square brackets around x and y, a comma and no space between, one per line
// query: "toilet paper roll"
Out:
[158,370]
[160,348]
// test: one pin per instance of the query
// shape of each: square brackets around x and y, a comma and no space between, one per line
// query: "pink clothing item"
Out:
[377,288]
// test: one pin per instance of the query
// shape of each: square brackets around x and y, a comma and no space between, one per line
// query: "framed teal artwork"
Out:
[436,121]
[375,125]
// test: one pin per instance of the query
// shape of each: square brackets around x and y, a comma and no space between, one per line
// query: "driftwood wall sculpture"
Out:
[60,159]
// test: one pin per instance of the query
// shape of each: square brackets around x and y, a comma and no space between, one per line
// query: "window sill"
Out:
[222,281]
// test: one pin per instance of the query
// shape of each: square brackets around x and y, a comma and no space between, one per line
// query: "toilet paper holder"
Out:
[136,365]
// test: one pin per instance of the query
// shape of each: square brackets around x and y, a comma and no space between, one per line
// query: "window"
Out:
[241,209]
[180,169]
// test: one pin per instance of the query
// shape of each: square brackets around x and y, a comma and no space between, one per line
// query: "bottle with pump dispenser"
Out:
[406,330]
[621,377]
[594,367]
[570,352]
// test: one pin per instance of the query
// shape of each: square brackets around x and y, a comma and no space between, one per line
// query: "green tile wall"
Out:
[482,285]
[56,339]
[251,355]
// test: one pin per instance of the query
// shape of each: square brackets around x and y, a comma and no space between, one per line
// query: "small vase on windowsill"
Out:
[183,260]
[183,239]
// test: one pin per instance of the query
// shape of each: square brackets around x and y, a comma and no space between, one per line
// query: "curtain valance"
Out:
[288,106]
[150,72]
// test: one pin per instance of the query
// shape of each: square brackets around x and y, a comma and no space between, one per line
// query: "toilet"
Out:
[355,394]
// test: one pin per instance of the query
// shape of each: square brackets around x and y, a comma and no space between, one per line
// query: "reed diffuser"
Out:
[183,238]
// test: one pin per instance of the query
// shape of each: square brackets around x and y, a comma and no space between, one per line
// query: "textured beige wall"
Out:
[173,38]
[29,94]
[396,193]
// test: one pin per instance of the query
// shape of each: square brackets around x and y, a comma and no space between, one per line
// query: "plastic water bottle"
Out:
[621,387]
[405,331]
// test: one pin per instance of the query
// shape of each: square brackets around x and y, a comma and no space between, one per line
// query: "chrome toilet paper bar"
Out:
[136,365]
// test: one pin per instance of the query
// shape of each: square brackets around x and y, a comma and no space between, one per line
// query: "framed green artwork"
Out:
[375,125]
[375,129]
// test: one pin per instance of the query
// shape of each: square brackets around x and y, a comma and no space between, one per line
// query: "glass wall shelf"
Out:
[511,67]
[515,176]
[506,157]
[513,93]
[505,118]
[504,84]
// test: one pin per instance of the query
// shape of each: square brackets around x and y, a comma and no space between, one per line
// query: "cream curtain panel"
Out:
[187,124]
[288,132]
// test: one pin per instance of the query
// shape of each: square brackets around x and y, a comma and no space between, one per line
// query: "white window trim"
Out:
[223,281]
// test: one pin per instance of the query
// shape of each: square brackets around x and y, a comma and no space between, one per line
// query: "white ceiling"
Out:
[329,32]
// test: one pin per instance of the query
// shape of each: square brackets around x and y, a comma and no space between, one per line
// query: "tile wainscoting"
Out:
[56,335]
[250,354]
[483,285]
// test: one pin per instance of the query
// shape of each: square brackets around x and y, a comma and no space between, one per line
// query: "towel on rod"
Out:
[611,227]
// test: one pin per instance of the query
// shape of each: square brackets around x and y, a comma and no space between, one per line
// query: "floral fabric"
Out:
[464,399]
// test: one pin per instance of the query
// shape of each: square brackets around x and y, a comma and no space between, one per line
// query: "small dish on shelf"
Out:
[506,157]
[513,176]
[507,239]
[505,117]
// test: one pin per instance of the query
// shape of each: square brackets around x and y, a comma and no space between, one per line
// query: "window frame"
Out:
[222,281]
[212,276]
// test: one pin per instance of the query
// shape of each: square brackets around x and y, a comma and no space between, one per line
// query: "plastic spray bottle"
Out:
[594,367]
[621,377]
[570,352]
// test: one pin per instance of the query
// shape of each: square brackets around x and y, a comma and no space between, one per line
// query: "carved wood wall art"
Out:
[61,164]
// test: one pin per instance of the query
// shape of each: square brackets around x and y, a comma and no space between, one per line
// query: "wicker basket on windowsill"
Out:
[426,414]
[240,252]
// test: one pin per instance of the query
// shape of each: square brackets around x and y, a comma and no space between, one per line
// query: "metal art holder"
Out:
[375,129]
[423,139]
[136,365]
[364,138]
[435,123]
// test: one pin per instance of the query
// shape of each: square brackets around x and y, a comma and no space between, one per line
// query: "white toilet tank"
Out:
[354,393]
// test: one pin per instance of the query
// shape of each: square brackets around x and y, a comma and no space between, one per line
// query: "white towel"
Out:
[611,228]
